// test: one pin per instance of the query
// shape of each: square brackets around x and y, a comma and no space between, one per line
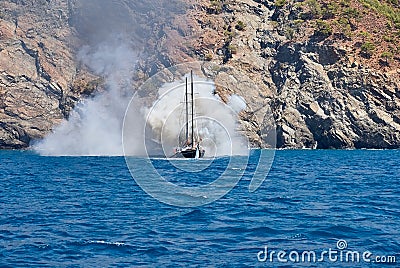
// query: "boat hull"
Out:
[191,153]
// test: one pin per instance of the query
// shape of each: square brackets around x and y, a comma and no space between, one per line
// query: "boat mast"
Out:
[191,77]
[187,112]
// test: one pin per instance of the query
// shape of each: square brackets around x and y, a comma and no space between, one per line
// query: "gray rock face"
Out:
[28,109]
[36,70]
[331,105]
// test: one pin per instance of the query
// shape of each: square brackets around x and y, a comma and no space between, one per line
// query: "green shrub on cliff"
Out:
[330,10]
[367,49]
[351,12]
[323,28]
[216,7]
[387,55]
[240,25]
[383,8]
[280,3]
[314,9]
[232,49]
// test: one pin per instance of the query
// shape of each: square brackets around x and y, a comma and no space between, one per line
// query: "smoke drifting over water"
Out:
[114,39]
[162,128]
[94,126]
[215,122]
[114,32]
[111,31]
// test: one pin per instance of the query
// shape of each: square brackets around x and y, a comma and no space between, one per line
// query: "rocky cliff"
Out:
[39,77]
[330,72]
[330,83]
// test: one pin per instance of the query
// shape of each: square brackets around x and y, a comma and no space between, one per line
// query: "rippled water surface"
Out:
[89,212]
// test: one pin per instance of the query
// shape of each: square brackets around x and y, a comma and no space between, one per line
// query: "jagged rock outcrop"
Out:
[334,104]
[322,95]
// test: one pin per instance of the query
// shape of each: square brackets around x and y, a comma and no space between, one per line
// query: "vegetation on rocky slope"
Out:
[370,29]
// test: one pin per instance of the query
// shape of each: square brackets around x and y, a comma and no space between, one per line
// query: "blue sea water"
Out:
[89,212]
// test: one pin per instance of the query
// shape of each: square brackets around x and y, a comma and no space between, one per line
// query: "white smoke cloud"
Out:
[113,31]
[216,123]
[113,34]
[95,125]
[237,103]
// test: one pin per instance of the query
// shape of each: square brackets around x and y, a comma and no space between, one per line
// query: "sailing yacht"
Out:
[191,147]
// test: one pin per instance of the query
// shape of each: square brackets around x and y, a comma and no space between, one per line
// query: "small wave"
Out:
[119,244]
[299,236]
[102,245]
[108,243]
